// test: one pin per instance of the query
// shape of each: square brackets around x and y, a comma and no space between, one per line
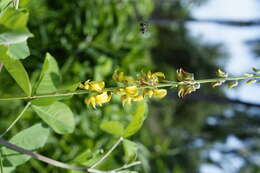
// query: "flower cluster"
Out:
[149,84]
[133,90]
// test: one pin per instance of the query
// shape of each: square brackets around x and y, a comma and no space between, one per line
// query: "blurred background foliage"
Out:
[92,38]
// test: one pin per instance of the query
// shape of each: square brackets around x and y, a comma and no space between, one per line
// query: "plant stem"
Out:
[16,4]
[19,116]
[1,161]
[115,170]
[41,157]
[108,153]
[127,166]
[161,85]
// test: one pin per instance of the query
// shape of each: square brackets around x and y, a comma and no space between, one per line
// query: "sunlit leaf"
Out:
[18,50]
[18,72]
[57,115]
[14,19]
[113,127]
[50,76]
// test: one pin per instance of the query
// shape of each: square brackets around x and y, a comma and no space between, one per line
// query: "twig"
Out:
[108,153]
[19,116]
[41,157]
[128,166]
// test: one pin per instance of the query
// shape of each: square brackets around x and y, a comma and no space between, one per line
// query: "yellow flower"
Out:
[126,99]
[94,85]
[131,90]
[159,93]
[91,100]
[138,98]
[148,92]
[159,74]
[103,98]
[119,91]
[120,77]
[98,99]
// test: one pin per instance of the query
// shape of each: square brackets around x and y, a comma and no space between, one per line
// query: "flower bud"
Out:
[183,75]
[256,70]
[220,73]
[251,81]
[232,84]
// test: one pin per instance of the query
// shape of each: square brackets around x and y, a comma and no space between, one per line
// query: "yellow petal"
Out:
[131,90]
[126,99]
[91,101]
[159,74]
[138,98]
[160,93]
[148,92]
[97,85]
[102,98]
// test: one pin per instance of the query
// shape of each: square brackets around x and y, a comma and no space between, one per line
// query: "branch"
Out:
[108,153]
[64,165]
[161,85]
[41,157]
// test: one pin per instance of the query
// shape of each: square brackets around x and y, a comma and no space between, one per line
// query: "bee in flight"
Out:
[143,27]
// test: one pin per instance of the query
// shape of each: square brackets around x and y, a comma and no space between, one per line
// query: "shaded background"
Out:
[210,131]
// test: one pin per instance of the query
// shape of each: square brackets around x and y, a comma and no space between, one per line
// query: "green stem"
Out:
[227,79]
[108,153]
[16,4]
[127,166]
[1,161]
[14,122]
[161,85]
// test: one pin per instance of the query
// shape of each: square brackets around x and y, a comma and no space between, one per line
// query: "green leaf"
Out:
[113,127]
[57,115]
[4,4]
[31,139]
[18,72]
[8,169]
[14,19]
[130,149]
[49,77]
[18,50]
[13,36]
[137,121]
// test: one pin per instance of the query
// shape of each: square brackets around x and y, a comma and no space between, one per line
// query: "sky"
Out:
[241,58]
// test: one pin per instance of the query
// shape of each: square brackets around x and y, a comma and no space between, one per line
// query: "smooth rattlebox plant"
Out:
[45,98]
